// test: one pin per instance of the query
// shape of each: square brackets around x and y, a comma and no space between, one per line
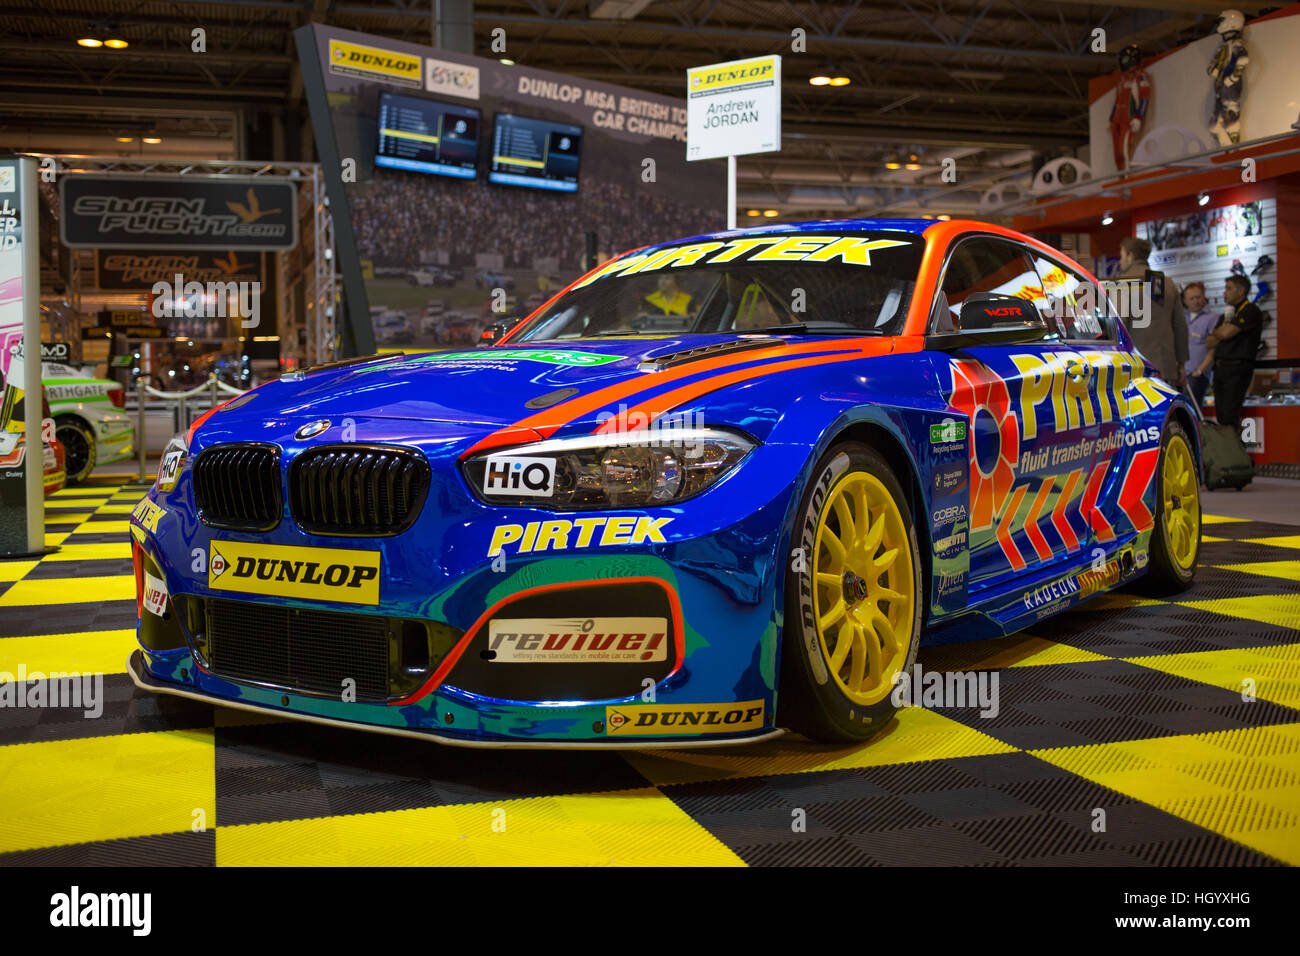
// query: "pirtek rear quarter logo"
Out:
[315,574]
[560,535]
[664,719]
[367,62]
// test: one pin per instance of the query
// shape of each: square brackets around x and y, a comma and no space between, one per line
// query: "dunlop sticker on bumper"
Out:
[665,719]
[313,574]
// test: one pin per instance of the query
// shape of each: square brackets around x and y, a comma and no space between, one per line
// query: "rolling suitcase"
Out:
[1224,461]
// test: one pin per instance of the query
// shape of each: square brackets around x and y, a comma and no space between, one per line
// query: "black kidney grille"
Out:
[238,486]
[311,651]
[357,489]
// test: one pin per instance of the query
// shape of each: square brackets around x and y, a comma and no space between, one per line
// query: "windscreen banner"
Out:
[470,185]
[22,521]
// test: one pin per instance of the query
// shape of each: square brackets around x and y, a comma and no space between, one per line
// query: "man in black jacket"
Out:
[1232,348]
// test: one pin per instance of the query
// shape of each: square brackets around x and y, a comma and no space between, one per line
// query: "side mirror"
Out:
[491,334]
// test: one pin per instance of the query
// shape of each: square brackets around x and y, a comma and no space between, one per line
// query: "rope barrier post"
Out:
[139,433]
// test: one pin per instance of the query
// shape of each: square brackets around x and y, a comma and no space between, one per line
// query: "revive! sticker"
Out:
[155,595]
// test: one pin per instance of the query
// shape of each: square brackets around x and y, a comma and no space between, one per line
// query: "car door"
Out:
[1022,405]
[1124,455]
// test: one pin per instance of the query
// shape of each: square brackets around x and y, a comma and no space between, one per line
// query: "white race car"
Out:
[88,418]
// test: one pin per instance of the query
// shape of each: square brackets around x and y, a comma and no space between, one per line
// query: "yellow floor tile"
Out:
[115,509]
[105,788]
[1218,519]
[103,527]
[915,735]
[1287,541]
[71,517]
[1207,538]
[92,551]
[51,539]
[1119,600]
[624,828]
[1280,609]
[1243,784]
[13,570]
[81,504]
[1018,650]
[1274,671]
[1287,570]
[86,652]
[49,591]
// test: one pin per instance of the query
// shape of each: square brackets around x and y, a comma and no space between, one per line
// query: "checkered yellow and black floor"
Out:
[1131,732]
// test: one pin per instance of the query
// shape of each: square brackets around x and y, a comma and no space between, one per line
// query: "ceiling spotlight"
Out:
[753,212]
[504,62]
[820,79]
[125,139]
[769,213]
[945,217]
[893,165]
[116,43]
[151,140]
[1107,219]
[89,41]
[840,81]
[1202,198]
[913,166]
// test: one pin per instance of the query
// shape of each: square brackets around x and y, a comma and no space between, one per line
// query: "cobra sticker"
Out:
[148,514]
[660,720]
[599,640]
[853,250]
[562,534]
[315,574]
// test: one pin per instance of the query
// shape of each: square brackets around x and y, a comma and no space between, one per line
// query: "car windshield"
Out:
[805,283]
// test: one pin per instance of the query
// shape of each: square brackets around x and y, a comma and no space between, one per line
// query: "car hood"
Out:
[574,382]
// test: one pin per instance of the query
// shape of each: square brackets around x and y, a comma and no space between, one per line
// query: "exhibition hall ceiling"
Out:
[988,83]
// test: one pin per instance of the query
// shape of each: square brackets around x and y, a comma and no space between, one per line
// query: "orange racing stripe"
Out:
[545,423]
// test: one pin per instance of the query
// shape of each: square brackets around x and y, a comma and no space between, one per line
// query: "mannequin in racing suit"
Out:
[1229,71]
[1132,97]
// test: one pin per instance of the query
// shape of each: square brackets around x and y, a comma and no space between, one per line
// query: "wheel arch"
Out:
[893,450]
[1182,415]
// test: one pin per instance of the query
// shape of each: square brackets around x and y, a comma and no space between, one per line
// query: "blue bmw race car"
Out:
[716,488]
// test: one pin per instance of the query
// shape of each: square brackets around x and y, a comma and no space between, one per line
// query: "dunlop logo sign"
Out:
[315,574]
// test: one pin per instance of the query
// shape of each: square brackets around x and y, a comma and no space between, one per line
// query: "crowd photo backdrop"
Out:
[471,185]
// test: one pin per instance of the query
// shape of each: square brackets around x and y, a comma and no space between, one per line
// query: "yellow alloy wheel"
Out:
[1182,502]
[864,585]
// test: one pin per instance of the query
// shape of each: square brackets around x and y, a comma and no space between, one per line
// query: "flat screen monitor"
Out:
[535,153]
[426,136]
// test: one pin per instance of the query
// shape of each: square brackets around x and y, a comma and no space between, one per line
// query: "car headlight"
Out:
[621,470]
[169,466]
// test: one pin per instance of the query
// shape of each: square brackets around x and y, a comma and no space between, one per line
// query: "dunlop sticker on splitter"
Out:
[313,574]
[660,720]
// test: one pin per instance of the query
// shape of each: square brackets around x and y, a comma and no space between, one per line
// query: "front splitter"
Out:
[145,681]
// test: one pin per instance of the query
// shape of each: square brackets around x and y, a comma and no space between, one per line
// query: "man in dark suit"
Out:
[1232,348]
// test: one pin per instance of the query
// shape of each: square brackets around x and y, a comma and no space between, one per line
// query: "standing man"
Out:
[1160,335]
[1201,320]
[1232,346]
